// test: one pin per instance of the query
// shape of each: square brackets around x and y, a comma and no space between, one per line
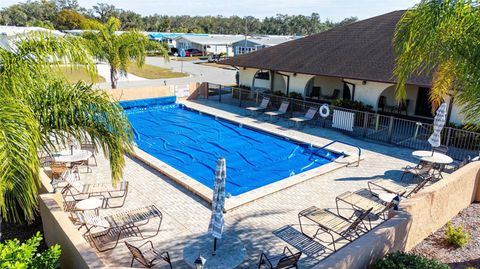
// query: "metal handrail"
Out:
[348,144]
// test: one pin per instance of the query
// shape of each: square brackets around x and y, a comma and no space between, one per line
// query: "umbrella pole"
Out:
[214,245]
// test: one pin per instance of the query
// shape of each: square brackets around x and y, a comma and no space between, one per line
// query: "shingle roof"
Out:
[361,50]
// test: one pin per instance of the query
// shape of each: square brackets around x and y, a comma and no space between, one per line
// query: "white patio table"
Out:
[69,156]
[432,157]
[92,203]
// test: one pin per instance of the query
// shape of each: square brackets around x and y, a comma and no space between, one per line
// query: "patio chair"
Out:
[360,202]
[441,149]
[332,223]
[262,107]
[281,111]
[422,169]
[308,116]
[90,147]
[148,257]
[287,259]
[393,187]
[57,169]
[77,191]
[118,226]
[63,174]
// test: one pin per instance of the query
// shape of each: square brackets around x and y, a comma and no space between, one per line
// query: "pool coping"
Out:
[206,193]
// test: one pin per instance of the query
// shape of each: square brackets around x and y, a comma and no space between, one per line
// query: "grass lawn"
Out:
[153,72]
[73,76]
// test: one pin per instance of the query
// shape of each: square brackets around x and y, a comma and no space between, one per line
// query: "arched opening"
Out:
[387,102]
[261,80]
[279,84]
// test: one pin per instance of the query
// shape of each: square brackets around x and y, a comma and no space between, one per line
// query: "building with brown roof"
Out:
[354,61]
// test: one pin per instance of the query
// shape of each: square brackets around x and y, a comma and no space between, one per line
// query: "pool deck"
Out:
[259,224]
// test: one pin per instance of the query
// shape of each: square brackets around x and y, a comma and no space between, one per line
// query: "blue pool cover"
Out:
[191,142]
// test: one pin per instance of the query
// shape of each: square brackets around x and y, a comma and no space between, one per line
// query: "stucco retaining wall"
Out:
[126,94]
[419,216]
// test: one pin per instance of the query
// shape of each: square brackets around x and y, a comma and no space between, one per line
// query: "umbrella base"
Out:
[230,251]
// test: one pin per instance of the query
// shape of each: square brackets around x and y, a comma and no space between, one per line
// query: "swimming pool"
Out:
[192,142]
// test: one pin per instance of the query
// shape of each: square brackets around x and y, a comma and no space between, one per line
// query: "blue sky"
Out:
[333,9]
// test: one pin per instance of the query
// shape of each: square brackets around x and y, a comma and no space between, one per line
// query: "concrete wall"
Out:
[419,216]
[328,85]
[246,76]
[145,92]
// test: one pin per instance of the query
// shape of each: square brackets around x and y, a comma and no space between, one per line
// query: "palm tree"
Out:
[442,37]
[37,105]
[119,49]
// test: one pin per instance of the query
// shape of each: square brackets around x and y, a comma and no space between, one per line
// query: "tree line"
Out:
[68,14]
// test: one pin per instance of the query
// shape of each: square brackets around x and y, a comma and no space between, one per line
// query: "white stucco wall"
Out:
[299,82]
[246,76]
[412,92]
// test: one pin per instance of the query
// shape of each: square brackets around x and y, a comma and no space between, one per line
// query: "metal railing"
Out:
[369,125]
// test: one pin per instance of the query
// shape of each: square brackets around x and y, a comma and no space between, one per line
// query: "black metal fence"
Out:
[369,125]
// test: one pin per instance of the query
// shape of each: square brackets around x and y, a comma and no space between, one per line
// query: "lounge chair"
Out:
[114,227]
[148,257]
[384,185]
[332,223]
[281,111]
[262,107]
[77,191]
[287,259]
[359,201]
[420,170]
[308,116]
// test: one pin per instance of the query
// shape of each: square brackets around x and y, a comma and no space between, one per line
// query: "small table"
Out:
[92,203]
[432,157]
[387,197]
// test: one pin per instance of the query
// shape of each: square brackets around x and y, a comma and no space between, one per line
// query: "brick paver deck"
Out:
[186,216]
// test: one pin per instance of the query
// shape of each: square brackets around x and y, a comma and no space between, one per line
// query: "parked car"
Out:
[193,52]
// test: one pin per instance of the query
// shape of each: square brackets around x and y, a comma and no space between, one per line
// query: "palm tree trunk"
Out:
[113,77]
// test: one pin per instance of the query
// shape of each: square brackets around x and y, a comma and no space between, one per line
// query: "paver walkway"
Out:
[186,216]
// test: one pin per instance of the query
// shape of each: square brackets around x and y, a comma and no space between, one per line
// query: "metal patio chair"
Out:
[359,202]
[149,256]
[421,170]
[331,223]
[312,111]
[280,112]
[287,259]
[118,226]
[384,185]
[114,196]
[262,107]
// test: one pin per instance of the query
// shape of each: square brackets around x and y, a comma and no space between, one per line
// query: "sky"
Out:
[335,10]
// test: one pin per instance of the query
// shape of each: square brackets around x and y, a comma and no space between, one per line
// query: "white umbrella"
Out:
[218,203]
[438,123]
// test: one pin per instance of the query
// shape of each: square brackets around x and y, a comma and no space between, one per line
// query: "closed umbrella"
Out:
[438,123]
[218,203]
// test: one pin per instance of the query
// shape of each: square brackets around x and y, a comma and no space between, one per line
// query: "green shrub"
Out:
[296,95]
[456,236]
[400,260]
[279,93]
[25,255]
[351,104]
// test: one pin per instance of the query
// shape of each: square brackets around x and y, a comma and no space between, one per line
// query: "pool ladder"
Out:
[348,144]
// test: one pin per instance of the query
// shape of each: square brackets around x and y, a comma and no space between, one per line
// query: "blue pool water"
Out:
[192,142]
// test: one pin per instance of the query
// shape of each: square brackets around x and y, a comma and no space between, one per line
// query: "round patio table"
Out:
[432,157]
[92,203]
[69,156]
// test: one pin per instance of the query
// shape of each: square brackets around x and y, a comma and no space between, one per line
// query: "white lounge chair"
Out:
[308,116]
[263,106]
[281,111]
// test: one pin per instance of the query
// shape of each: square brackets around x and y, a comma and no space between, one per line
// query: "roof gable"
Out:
[361,50]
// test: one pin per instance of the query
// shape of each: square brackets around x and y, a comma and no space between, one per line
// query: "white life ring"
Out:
[324,111]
